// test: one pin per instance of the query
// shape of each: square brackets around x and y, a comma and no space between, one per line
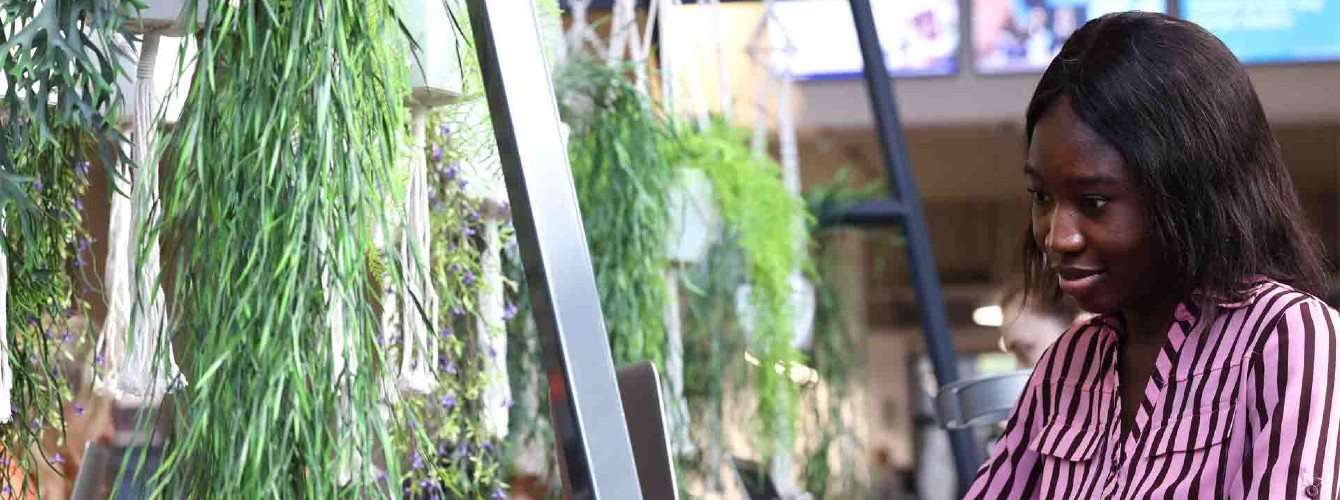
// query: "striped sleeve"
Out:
[1294,409]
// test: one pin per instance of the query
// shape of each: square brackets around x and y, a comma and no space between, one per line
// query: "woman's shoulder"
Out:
[1276,312]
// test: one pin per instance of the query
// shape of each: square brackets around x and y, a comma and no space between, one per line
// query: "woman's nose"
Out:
[1064,236]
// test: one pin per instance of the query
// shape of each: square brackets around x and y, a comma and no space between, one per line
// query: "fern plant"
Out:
[762,216]
[622,179]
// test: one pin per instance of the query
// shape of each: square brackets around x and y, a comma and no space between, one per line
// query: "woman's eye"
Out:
[1039,197]
[1094,203]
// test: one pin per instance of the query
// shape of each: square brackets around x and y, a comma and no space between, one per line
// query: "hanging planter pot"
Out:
[802,305]
[694,221]
[165,17]
[435,69]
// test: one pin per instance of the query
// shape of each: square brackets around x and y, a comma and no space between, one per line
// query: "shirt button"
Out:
[1312,491]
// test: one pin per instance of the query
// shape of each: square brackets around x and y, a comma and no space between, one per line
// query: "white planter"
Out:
[167,17]
[169,89]
[802,303]
[694,221]
[435,70]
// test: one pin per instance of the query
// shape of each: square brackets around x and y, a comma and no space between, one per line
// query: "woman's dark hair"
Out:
[1173,100]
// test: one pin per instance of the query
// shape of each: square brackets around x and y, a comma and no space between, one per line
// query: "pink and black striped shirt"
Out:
[1247,407]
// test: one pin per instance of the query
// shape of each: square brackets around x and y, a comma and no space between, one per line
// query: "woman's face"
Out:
[1087,214]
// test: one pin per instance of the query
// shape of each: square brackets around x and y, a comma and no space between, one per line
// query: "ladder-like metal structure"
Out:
[903,211]
[595,453]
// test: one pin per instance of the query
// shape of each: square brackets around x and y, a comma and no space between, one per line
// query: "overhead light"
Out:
[988,316]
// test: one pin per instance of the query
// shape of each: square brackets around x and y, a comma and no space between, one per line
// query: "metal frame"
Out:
[596,454]
[905,208]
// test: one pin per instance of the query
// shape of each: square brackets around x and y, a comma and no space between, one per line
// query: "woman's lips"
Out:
[1076,281]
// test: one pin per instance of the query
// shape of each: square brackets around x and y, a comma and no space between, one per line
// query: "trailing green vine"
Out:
[622,179]
[44,172]
[763,217]
[284,155]
[835,352]
[47,250]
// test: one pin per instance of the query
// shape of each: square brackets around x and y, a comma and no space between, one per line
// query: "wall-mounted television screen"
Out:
[1271,31]
[1019,36]
[920,37]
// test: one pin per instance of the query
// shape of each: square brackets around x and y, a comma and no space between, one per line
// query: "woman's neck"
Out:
[1150,323]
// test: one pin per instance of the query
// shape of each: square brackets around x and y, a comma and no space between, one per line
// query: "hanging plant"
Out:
[284,157]
[56,94]
[713,353]
[622,180]
[46,250]
[761,217]
[836,353]
[73,71]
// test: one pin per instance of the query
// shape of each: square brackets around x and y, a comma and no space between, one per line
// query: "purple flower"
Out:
[499,494]
[505,206]
[469,231]
[446,332]
[452,171]
[464,183]
[493,353]
[474,215]
[32,321]
[100,360]
[37,185]
[444,130]
[4,461]
[455,268]
[438,206]
[79,204]
[469,277]
[418,461]
[69,312]
[462,451]
[437,153]
[507,403]
[448,402]
[488,445]
[66,338]
[57,459]
[49,334]
[509,312]
[78,261]
[381,476]
[5,490]
[449,367]
[425,484]
[456,311]
[34,424]
[78,410]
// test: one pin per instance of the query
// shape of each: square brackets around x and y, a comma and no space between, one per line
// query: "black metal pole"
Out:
[925,278]
[594,450]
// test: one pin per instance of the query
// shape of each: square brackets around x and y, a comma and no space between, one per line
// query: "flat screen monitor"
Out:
[1271,31]
[920,37]
[1022,36]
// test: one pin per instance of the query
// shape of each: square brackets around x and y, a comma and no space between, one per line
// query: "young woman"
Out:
[1160,202]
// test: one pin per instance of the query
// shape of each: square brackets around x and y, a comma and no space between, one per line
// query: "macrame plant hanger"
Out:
[435,81]
[136,365]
